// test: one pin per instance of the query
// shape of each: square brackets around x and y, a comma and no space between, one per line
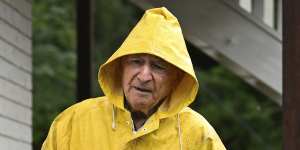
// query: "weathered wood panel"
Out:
[279,16]
[85,29]
[12,36]
[258,8]
[15,130]
[14,56]
[15,112]
[23,7]
[14,74]
[15,93]
[291,74]
[15,19]
[10,144]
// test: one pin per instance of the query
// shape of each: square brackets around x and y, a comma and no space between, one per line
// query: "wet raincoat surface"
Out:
[104,123]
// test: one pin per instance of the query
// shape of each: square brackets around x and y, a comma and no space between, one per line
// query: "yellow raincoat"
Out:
[104,124]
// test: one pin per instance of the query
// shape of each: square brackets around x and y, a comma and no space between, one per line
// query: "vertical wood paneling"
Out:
[258,8]
[278,16]
[84,47]
[291,74]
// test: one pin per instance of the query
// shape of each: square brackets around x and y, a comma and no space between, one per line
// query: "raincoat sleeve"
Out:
[202,134]
[211,142]
[59,134]
[209,139]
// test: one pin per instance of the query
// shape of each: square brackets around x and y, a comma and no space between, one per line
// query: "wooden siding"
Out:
[10,144]
[15,75]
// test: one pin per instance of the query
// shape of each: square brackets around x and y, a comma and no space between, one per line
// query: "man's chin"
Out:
[140,106]
[141,98]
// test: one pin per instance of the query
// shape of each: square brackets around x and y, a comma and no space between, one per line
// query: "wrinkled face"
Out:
[146,80]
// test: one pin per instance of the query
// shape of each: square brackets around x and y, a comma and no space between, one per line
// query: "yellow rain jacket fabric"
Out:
[104,124]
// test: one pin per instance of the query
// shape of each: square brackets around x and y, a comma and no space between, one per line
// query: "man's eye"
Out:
[159,67]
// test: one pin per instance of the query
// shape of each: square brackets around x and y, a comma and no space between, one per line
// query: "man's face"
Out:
[147,80]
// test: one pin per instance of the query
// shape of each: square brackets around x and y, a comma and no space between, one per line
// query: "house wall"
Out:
[15,75]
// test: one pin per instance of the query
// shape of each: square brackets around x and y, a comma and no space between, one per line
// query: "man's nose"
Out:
[145,74]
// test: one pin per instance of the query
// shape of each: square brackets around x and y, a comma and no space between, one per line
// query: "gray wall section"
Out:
[15,75]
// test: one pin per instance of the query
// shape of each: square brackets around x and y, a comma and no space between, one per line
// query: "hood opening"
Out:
[158,33]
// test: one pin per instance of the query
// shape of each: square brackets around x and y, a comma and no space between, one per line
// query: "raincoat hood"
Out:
[157,33]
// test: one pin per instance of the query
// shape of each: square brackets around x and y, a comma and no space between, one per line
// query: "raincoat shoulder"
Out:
[62,128]
[198,132]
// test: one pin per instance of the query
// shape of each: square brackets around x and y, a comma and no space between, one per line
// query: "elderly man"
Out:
[148,84]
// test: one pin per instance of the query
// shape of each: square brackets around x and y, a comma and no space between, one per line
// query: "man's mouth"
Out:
[143,89]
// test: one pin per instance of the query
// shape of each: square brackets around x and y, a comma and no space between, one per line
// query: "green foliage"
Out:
[244,118]
[53,63]
[54,54]
[113,21]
